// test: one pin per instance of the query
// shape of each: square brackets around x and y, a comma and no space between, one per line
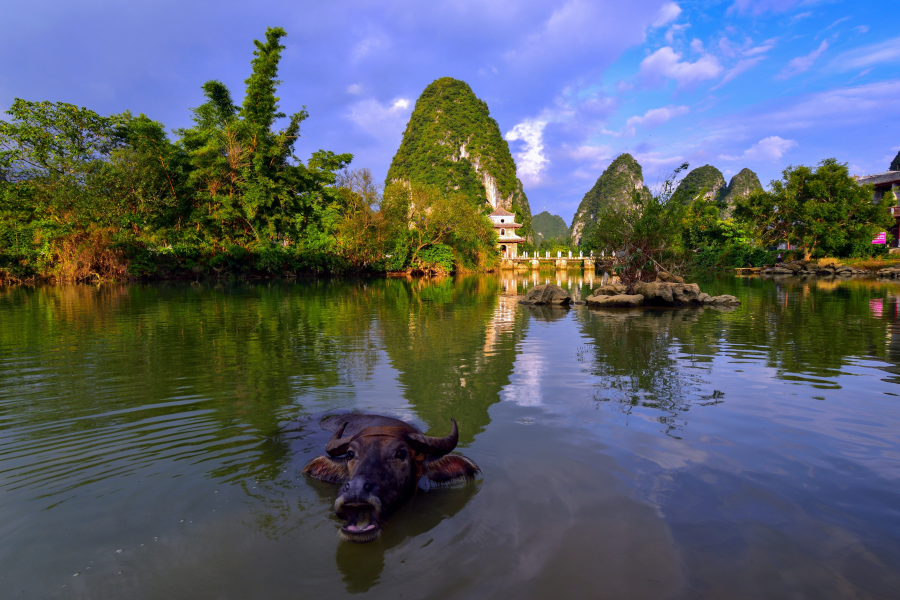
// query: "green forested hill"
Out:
[452,142]
[547,226]
[895,164]
[706,177]
[616,185]
[740,185]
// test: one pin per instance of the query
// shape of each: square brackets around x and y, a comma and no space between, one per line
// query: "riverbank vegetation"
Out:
[89,197]
[819,212]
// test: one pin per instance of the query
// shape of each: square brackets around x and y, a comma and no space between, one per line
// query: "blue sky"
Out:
[572,83]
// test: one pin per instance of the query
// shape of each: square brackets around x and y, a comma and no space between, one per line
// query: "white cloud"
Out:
[381,120]
[696,45]
[802,63]
[592,156]
[354,89]
[867,56]
[727,48]
[799,16]
[841,20]
[761,49]
[861,29]
[655,160]
[757,7]
[667,13]
[674,30]
[657,116]
[737,69]
[849,106]
[369,45]
[531,161]
[766,149]
[665,62]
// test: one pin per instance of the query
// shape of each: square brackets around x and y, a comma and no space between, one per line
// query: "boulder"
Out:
[610,289]
[723,300]
[617,301]
[780,271]
[547,294]
[665,277]
[669,293]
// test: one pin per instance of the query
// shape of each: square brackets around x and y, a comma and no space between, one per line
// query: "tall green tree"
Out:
[644,234]
[820,209]
[249,185]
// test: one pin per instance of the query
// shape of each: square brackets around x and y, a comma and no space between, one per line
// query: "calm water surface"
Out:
[699,453]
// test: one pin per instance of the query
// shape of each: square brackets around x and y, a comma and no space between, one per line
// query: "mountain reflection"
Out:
[103,382]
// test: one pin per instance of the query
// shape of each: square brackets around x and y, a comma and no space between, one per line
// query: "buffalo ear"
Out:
[332,470]
[450,468]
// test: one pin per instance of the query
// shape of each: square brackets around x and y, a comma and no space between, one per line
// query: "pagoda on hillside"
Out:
[505,225]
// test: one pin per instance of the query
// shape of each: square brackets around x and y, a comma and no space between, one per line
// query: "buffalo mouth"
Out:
[361,522]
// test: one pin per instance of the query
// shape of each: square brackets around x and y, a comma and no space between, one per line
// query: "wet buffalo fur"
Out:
[444,471]
[450,469]
[380,462]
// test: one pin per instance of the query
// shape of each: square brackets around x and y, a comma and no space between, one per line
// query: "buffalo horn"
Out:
[338,445]
[434,446]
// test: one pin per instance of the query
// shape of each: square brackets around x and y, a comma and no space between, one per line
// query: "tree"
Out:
[644,235]
[421,217]
[249,185]
[821,209]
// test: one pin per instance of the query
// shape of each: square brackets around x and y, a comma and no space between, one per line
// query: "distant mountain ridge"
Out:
[711,180]
[452,142]
[624,176]
[615,185]
[547,226]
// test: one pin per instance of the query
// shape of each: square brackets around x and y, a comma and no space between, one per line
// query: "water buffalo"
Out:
[379,462]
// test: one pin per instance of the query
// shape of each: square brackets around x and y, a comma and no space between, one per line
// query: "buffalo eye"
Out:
[351,454]
[401,453]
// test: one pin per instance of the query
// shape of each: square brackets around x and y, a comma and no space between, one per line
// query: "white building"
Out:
[505,225]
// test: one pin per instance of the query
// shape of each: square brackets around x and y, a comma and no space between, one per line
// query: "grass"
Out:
[873,263]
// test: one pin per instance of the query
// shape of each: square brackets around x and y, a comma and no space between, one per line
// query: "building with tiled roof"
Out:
[505,225]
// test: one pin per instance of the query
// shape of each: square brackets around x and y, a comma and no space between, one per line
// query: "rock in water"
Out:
[547,294]
[613,189]
[452,143]
[610,289]
[617,301]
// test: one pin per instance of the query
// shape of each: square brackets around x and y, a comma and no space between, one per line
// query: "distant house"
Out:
[505,225]
[889,180]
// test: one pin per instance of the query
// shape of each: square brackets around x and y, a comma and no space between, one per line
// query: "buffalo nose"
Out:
[358,487]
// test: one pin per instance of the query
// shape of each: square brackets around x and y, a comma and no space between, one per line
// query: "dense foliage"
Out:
[418,228]
[83,196]
[612,193]
[707,181]
[820,209]
[640,234]
[549,229]
[740,186]
[453,144]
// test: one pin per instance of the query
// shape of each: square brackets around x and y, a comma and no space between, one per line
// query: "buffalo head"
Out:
[378,461]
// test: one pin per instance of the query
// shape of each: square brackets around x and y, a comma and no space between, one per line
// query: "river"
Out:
[152,438]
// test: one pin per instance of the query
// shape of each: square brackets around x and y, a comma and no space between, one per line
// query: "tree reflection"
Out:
[453,345]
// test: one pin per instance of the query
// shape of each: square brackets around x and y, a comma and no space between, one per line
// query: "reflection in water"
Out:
[744,453]
[361,565]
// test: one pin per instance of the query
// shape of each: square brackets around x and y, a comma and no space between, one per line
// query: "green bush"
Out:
[438,258]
